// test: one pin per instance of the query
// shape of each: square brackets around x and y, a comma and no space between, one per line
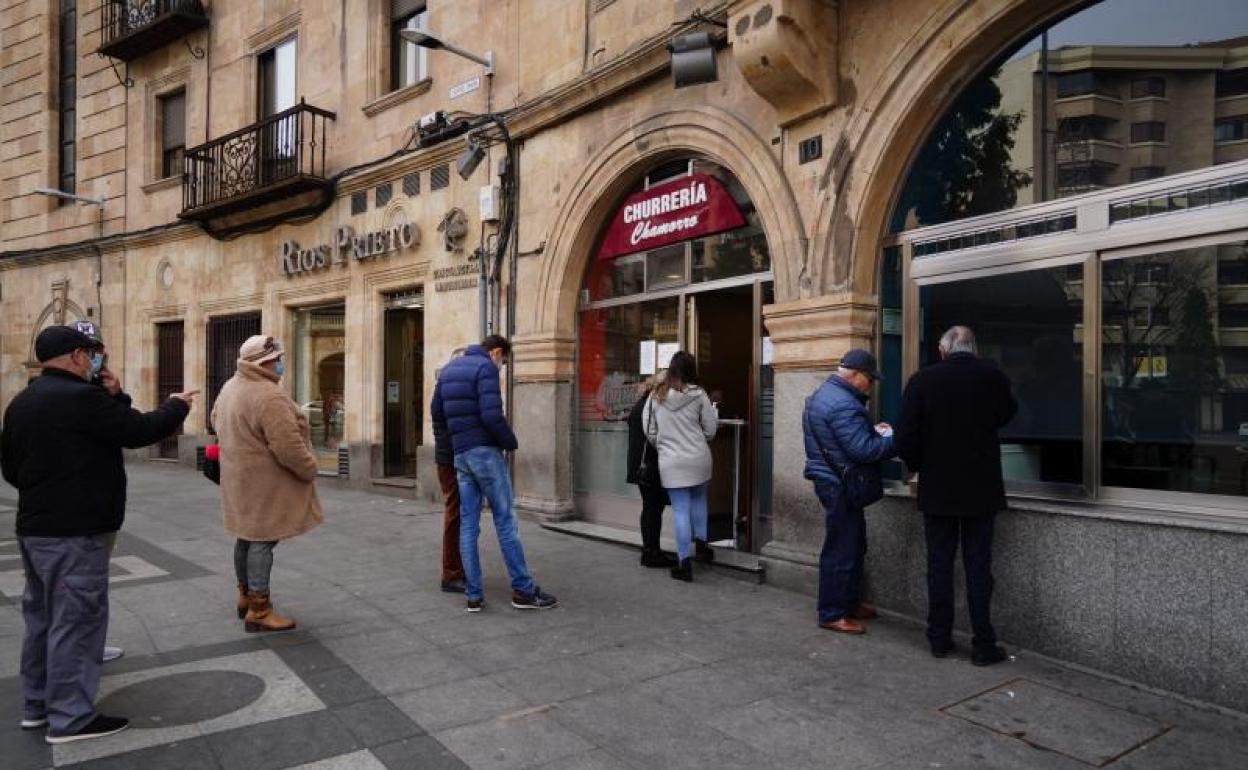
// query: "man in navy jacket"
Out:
[468,402]
[951,412]
[836,428]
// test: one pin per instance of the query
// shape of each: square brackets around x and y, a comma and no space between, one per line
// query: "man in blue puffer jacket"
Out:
[469,403]
[836,428]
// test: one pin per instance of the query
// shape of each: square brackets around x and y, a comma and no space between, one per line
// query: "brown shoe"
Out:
[261,617]
[242,600]
[863,611]
[844,626]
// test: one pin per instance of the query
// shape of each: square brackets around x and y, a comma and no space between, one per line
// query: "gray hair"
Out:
[843,372]
[959,339]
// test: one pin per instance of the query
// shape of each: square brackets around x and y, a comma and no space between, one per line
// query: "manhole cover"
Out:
[183,699]
[1091,732]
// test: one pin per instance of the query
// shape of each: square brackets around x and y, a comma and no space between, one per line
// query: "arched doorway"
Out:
[683,263]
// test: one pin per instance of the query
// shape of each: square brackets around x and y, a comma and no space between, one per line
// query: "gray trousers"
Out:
[253,563]
[65,607]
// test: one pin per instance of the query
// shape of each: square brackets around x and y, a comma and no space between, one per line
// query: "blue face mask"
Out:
[97,363]
[279,368]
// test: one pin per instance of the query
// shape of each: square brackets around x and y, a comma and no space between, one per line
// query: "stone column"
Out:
[808,336]
[543,420]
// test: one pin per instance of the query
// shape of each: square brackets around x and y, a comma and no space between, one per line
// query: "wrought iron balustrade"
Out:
[131,28]
[279,156]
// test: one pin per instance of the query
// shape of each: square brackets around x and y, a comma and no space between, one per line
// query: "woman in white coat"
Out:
[680,421]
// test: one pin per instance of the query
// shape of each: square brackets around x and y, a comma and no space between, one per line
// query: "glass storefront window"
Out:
[1017,136]
[614,344]
[730,254]
[1174,404]
[618,277]
[1029,324]
[318,360]
[665,267]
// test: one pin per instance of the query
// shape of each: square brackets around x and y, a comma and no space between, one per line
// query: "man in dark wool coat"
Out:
[951,413]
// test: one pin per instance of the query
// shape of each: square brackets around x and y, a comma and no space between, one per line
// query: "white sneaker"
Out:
[34,723]
[112,653]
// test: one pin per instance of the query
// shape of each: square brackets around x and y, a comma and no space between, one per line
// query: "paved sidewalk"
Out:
[633,670]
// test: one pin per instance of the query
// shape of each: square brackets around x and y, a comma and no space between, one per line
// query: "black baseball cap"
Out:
[862,361]
[58,340]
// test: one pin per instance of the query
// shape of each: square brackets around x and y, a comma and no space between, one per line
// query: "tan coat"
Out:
[268,468]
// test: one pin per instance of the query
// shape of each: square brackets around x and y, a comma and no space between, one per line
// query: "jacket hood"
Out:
[253,371]
[678,399]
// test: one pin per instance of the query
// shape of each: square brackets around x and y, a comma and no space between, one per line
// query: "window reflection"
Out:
[1029,324]
[1066,113]
[1175,371]
[319,378]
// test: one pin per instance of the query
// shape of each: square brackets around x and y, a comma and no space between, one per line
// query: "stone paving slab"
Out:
[633,670]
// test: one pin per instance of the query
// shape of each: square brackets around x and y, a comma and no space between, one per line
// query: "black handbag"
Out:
[862,484]
[648,467]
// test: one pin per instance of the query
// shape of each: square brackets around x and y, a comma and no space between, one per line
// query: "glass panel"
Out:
[1029,324]
[616,277]
[665,267]
[730,254]
[319,358]
[408,60]
[285,75]
[1015,137]
[888,393]
[1175,397]
[610,368]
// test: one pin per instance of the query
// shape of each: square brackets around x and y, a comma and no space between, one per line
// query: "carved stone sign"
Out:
[347,247]
[456,278]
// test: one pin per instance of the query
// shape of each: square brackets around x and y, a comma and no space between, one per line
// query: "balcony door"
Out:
[275,94]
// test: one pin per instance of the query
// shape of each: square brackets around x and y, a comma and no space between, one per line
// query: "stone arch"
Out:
[706,131]
[949,48]
[60,311]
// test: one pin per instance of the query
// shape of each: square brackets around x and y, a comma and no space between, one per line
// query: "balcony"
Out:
[131,28]
[1088,105]
[267,172]
[1100,152]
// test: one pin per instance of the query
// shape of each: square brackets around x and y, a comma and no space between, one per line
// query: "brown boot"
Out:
[261,617]
[242,600]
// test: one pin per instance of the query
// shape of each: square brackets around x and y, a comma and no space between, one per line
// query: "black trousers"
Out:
[944,533]
[653,501]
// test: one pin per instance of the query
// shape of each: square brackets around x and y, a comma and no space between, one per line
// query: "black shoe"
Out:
[683,571]
[657,560]
[942,649]
[703,552]
[34,723]
[455,586]
[538,600]
[988,656]
[474,605]
[96,728]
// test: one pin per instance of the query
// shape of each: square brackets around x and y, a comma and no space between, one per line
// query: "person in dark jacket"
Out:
[468,400]
[837,431]
[444,461]
[61,448]
[653,495]
[951,413]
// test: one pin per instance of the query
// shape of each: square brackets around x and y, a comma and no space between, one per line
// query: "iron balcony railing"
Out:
[279,156]
[131,28]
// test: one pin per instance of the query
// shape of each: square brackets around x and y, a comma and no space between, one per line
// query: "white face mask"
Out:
[279,368]
[97,363]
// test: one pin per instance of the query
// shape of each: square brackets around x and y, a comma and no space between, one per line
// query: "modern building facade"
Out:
[856,174]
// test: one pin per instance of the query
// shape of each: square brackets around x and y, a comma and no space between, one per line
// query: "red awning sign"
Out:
[689,207]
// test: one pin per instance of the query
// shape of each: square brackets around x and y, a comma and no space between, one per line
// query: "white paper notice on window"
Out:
[647,357]
[768,351]
[665,352]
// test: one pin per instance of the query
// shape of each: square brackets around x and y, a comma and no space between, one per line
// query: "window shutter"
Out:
[401,9]
[173,132]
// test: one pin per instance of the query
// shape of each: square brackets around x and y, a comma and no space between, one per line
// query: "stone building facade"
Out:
[263,166]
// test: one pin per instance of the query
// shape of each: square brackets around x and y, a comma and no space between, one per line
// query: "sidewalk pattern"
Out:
[634,670]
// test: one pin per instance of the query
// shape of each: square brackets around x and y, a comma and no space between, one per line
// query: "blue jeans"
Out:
[482,474]
[688,512]
[840,561]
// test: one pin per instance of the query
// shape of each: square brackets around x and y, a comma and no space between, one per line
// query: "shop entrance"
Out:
[403,382]
[705,295]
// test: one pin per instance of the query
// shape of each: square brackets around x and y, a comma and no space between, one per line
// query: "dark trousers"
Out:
[653,501]
[452,565]
[840,561]
[65,607]
[943,535]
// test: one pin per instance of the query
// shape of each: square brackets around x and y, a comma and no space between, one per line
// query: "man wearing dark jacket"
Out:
[837,431]
[61,447]
[444,461]
[951,412]
[468,400]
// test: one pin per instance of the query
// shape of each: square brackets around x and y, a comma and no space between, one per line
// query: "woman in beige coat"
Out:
[268,472]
